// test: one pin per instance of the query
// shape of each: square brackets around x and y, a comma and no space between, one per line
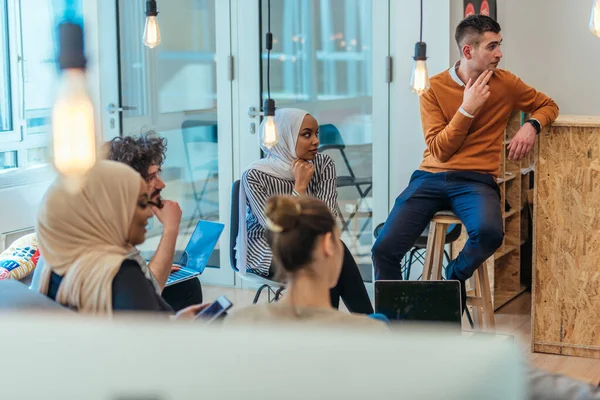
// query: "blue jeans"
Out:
[473,197]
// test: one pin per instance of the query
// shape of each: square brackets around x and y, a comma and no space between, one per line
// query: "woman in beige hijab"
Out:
[88,242]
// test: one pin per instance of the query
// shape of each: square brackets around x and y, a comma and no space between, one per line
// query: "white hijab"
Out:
[277,162]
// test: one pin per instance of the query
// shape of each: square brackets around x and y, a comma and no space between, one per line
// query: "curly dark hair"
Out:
[139,152]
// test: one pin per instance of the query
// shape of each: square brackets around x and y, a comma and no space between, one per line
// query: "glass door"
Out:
[180,91]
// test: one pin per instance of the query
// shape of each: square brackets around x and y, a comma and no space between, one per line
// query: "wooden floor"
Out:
[513,319]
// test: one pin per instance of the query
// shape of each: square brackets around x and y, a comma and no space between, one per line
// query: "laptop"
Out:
[420,302]
[197,252]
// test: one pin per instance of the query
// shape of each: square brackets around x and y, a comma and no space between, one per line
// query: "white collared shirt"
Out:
[456,79]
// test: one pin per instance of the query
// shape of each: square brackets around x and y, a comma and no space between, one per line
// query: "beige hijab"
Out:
[83,237]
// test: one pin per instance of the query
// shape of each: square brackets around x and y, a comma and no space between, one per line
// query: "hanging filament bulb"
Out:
[270,136]
[151,30]
[419,81]
[73,128]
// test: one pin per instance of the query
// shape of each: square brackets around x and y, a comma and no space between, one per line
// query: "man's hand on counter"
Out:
[522,143]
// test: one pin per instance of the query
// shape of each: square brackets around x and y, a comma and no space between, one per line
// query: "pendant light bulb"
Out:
[270,134]
[419,81]
[73,128]
[151,29]
[595,18]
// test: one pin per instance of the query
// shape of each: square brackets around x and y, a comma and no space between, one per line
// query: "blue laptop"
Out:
[197,252]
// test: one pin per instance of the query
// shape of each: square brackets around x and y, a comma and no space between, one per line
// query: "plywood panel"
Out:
[564,349]
[585,121]
[567,242]
[513,196]
[525,188]
[507,269]
[512,168]
[512,231]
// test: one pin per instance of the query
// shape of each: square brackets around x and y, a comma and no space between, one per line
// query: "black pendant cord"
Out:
[421,31]
[269,45]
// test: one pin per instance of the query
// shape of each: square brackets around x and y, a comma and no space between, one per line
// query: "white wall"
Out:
[406,143]
[456,13]
[548,44]
[19,206]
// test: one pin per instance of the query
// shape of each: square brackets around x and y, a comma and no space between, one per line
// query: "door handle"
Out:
[253,112]
[112,108]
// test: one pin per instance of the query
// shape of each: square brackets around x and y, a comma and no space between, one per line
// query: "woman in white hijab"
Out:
[292,167]
[87,240]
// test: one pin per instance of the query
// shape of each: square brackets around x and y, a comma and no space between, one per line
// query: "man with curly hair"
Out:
[146,154]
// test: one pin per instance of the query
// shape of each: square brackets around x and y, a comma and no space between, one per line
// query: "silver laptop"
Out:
[197,252]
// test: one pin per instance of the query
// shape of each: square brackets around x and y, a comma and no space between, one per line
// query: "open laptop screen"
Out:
[201,245]
[419,301]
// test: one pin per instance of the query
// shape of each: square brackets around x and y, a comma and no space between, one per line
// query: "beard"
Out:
[156,199]
[155,195]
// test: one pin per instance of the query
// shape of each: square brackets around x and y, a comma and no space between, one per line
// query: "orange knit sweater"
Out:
[456,142]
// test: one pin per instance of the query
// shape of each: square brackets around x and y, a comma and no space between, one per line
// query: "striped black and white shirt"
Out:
[259,186]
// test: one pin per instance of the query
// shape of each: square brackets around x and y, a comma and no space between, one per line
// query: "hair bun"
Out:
[283,213]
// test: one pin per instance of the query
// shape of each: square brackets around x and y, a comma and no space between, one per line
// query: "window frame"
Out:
[16,83]
[20,138]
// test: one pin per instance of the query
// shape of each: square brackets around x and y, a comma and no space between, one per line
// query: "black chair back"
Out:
[234,222]
[266,283]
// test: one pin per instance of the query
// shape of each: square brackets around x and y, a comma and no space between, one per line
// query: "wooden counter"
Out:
[566,276]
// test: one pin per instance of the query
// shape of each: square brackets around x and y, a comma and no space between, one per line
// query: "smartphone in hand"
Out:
[215,309]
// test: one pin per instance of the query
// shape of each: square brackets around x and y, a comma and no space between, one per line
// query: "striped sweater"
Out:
[259,186]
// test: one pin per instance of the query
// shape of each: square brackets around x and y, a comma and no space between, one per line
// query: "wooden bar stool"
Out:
[480,296]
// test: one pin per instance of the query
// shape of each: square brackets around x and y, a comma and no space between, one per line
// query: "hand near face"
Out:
[169,215]
[476,93]
[303,172]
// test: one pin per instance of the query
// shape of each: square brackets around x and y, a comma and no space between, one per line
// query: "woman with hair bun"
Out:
[307,255]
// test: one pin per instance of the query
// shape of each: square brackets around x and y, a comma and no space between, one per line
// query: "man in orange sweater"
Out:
[464,116]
